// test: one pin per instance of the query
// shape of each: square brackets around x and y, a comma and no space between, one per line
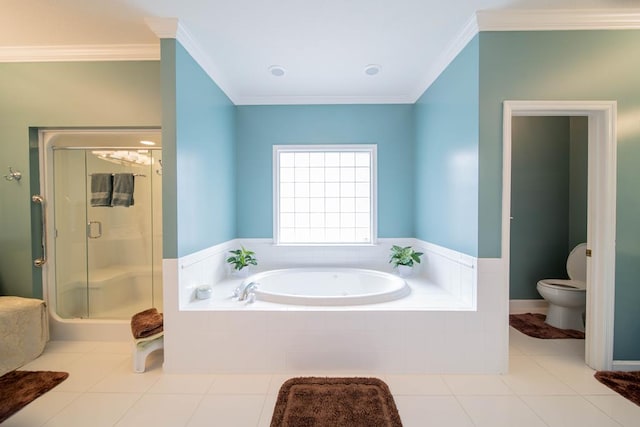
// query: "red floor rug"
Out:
[532,324]
[626,384]
[335,402]
[19,388]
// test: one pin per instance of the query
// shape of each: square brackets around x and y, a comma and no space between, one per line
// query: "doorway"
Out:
[601,204]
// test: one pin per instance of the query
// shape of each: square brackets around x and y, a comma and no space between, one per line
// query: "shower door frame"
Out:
[45,154]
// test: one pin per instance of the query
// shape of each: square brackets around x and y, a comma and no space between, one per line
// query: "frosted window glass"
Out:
[316,189]
[287,189]
[302,189]
[287,204]
[317,235]
[302,160]
[316,174]
[324,196]
[302,235]
[362,189]
[301,174]
[363,159]
[286,175]
[362,220]
[362,204]
[332,159]
[286,160]
[287,220]
[347,174]
[332,189]
[287,234]
[347,189]
[348,159]
[362,175]
[332,204]
[332,220]
[302,220]
[347,204]
[347,220]
[347,235]
[362,234]
[316,159]
[332,234]
[332,174]
[316,220]
[316,204]
[301,204]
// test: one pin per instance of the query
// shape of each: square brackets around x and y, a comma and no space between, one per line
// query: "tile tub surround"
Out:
[222,335]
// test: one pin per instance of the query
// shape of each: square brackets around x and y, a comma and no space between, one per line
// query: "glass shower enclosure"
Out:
[107,260]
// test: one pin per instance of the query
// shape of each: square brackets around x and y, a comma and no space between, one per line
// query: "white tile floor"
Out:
[547,385]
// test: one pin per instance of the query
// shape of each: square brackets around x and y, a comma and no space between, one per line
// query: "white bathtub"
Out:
[327,286]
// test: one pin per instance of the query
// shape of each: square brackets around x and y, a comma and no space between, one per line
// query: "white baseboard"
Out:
[626,365]
[518,306]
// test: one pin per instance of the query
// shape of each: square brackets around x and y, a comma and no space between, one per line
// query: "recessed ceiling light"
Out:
[372,69]
[147,143]
[277,70]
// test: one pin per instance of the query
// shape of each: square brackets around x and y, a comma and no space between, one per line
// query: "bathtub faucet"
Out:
[244,292]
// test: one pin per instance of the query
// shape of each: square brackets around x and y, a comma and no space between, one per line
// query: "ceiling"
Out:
[323,45]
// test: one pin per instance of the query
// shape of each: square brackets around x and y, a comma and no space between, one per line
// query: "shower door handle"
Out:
[39,262]
[90,230]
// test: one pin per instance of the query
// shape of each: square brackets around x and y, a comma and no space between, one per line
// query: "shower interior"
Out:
[104,262]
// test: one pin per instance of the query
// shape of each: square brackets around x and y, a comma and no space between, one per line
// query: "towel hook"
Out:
[13,175]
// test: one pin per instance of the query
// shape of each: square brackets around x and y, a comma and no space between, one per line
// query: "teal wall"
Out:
[83,94]
[539,202]
[261,127]
[201,136]
[578,177]
[446,156]
[569,65]
[548,199]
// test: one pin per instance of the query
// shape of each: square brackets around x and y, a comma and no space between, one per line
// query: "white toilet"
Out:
[568,298]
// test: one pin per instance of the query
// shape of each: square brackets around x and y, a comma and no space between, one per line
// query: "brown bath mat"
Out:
[626,384]
[324,402]
[532,324]
[19,388]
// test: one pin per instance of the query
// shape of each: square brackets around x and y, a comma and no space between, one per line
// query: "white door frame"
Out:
[601,217]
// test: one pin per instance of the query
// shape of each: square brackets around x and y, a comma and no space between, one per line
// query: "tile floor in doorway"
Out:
[548,384]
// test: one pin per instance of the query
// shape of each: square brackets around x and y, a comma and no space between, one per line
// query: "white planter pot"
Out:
[245,272]
[404,270]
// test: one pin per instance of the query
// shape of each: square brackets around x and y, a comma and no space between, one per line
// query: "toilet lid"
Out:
[577,263]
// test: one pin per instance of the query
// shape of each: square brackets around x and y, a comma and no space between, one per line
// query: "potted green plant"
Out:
[240,260]
[403,259]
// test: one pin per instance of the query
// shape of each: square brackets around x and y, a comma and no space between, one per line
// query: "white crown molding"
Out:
[171,28]
[111,52]
[527,20]
[322,99]
[452,50]
[205,61]
[558,20]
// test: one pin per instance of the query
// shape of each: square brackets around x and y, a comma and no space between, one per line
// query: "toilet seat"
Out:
[576,269]
[564,285]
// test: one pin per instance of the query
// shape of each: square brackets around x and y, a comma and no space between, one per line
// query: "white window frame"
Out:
[373,197]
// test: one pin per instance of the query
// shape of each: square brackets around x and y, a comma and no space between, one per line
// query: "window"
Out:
[324,194]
